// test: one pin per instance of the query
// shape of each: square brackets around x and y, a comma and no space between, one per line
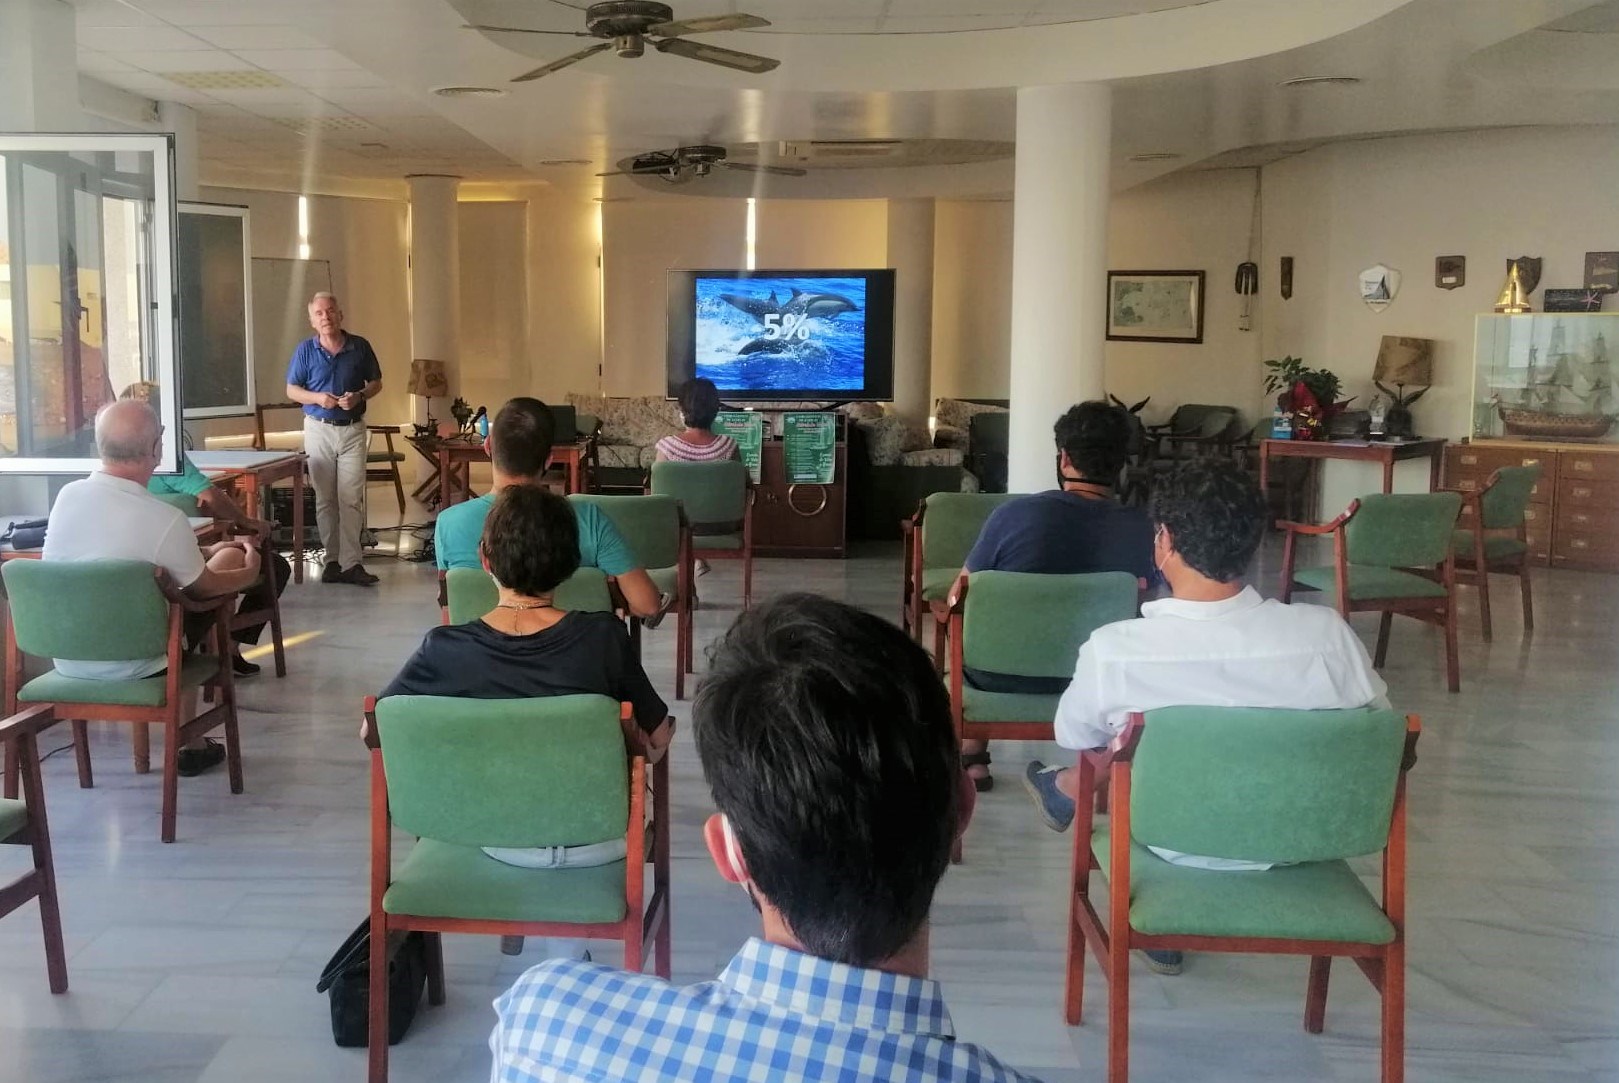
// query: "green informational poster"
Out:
[748,430]
[810,447]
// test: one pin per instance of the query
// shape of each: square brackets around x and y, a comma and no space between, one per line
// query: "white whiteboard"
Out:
[281,292]
[214,279]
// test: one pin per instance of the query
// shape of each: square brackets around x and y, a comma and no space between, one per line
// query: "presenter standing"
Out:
[332,374]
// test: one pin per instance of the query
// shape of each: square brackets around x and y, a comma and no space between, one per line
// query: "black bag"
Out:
[25,533]
[347,975]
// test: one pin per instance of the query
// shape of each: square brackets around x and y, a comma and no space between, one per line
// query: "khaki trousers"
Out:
[337,471]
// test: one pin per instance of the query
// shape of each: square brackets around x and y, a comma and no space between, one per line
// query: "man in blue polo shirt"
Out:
[333,373]
[519,443]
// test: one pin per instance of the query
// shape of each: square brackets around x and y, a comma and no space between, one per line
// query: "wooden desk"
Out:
[455,459]
[1385,452]
[257,471]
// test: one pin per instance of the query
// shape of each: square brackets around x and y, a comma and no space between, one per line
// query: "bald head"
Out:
[127,432]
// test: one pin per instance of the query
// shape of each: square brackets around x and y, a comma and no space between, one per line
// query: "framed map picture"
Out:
[1155,306]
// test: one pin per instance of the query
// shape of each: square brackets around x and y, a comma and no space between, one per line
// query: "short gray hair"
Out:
[126,431]
[324,295]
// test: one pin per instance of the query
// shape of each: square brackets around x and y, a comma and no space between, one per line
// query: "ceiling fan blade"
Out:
[713,54]
[524,30]
[774,170]
[567,61]
[709,25]
[618,173]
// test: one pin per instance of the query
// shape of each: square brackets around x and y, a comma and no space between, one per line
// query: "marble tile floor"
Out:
[197,961]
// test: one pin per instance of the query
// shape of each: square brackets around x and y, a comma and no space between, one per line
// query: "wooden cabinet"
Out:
[1573,515]
[799,520]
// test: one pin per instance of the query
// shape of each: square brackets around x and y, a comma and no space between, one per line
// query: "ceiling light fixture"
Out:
[469,92]
[1156,156]
[1321,80]
[565,161]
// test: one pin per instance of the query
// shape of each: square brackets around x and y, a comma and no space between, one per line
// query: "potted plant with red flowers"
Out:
[1308,396]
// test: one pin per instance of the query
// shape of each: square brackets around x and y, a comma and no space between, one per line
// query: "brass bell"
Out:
[1514,298]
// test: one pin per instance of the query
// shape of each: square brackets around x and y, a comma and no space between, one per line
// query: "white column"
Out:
[182,121]
[910,254]
[1059,266]
[435,262]
[39,67]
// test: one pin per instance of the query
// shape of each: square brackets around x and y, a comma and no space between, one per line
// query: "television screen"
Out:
[776,335]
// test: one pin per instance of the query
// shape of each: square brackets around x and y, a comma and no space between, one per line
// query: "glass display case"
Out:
[1545,376]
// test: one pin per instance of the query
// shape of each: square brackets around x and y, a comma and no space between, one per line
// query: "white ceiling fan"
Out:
[627,25]
[679,165]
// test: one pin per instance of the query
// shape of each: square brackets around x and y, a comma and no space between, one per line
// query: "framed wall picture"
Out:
[1155,306]
[1602,271]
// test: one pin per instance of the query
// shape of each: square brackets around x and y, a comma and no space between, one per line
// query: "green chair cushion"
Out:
[13,818]
[52,687]
[1367,583]
[442,880]
[980,706]
[1495,546]
[1322,900]
[936,582]
[716,541]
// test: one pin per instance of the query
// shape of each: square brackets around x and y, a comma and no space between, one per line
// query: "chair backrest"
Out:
[1266,785]
[1215,423]
[471,592]
[990,432]
[88,611]
[1030,625]
[1402,530]
[505,772]
[951,523]
[1504,501]
[715,495]
[184,501]
[1188,417]
[649,525]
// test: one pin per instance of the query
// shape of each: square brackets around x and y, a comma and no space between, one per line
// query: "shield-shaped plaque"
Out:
[1378,286]
[1528,271]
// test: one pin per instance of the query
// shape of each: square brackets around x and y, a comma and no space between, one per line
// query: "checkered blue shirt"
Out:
[774,1014]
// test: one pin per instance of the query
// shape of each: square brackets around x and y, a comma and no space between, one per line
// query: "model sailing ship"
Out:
[1550,387]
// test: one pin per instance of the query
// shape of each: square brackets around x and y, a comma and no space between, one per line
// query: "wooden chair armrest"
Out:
[29,720]
[957,598]
[906,528]
[368,724]
[1321,528]
[178,597]
[382,428]
[1122,749]
[652,746]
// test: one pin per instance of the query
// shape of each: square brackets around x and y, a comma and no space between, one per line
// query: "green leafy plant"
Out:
[1282,373]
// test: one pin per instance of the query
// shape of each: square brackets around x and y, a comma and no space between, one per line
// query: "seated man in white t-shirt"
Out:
[1213,643]
[111,516]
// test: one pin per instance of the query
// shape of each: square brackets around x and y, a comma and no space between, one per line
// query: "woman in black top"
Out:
[526,647]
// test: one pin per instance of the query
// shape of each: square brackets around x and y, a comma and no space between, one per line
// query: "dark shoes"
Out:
[243,668]
[194,761]
[1163,962]
[356,575]
[1055,807]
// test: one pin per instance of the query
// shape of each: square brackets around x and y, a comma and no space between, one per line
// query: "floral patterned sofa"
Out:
[892,467]
[630,428]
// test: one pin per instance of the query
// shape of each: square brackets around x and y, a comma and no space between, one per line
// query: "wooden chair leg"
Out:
[1394,1014]
[435,969]
[940,630]
[1384,622]
[50,912]
[141,739]
[1453,665]
[682,634]
[1118,1008]
[377,1023]
[399,487]
[1482,577]
[81,751]
[171,776]
[233,741]
[1528,602]
[1315,996]
[1074,987]
[747,579]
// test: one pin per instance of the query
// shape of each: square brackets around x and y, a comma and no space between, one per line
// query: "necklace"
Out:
[521,607]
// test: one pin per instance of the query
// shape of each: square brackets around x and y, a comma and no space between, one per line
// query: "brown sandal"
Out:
[982,783]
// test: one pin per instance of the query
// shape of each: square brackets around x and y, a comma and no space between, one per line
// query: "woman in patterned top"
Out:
[699,404]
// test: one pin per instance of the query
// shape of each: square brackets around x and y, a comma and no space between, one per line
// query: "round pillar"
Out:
[910,253]
[182,121]
[435,261]
[39,67]
[1059,267]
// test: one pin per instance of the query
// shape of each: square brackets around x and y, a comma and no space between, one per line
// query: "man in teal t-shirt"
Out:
[519,443]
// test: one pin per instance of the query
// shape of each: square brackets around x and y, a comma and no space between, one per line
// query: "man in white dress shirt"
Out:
[1213,643]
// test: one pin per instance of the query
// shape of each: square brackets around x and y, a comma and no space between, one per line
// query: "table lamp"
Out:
[1403,361]
[428,379]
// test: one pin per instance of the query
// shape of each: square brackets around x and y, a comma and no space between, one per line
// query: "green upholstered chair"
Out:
[22,823]
[1305,790]
[1498,539]
[470,593]
[110,611]
[465,774]
[1392,553]
[718,501]
[655,528]
[937,539]
[991,615]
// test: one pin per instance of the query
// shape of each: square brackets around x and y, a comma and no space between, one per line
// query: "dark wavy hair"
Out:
[699,402]
[1215,515]
[531,539]
[826,738]
[1096,436]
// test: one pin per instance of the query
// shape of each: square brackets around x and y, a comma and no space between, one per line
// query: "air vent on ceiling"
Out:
[1155,156]
[809,150]
[1321,80]
[469,92]
[336,122]
[225,80]
[565,161]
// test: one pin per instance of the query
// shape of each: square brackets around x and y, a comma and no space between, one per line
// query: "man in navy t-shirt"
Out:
[1077,528]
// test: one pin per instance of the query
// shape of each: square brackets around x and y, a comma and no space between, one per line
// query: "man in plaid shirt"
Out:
[825,736]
